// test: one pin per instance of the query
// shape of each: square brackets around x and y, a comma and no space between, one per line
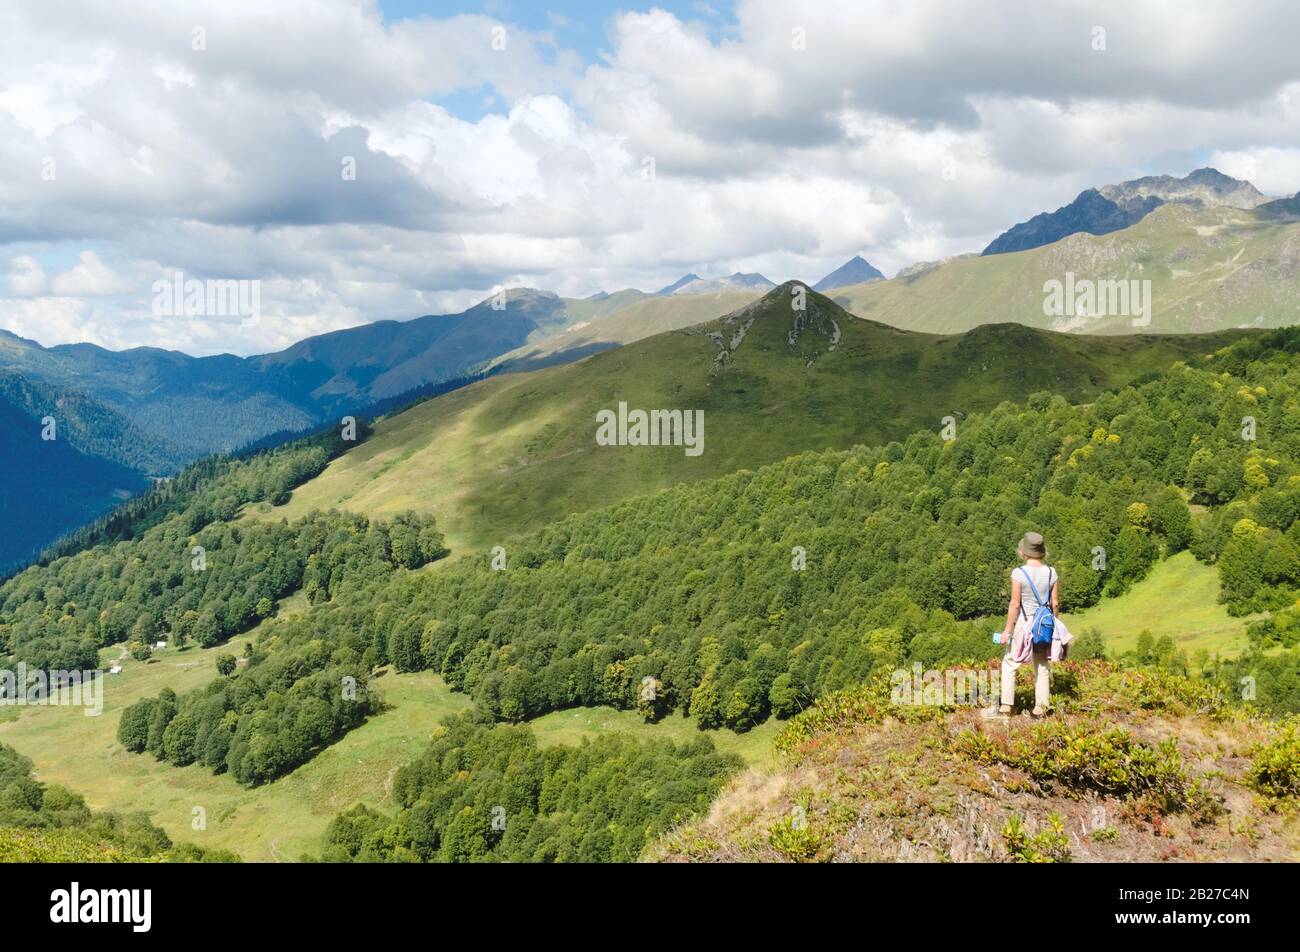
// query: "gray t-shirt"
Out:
[1043,576]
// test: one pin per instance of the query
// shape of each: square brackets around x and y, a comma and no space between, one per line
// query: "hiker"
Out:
[1032,585]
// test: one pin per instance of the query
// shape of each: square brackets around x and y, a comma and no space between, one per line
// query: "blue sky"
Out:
[577,25]
[616,145]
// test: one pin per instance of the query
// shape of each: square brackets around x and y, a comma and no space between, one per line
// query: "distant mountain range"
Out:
[1114,207]
[1281,208]
[1209,268]
[193,405]
[1218,253]
[59,475]
[124,415]
[694,284]
[856,270]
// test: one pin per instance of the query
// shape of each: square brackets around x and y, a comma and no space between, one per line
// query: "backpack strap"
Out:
[1037,597]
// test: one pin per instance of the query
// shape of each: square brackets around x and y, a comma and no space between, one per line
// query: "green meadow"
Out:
[283,820]
[1180,598]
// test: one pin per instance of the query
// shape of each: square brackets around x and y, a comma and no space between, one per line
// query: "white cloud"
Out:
[26,276]
[89,277]
[901,131]
[1275,171]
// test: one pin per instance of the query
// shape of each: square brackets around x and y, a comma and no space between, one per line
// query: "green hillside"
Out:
[57,478]
[622,320]
[48,823]
[907,548]
[1179,599]
[1210,269]
[514,453]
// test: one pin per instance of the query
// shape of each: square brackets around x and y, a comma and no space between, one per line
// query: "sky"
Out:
[365,160]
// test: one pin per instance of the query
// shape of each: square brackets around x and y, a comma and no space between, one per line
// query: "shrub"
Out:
[1087,757]
[793,837]
[1275,765]
[1149,689]
[835,712]
[1051,845]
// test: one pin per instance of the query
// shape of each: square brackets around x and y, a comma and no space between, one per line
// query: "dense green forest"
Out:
[69,831]
[186,572]
[696,588]
[213,488]
[484,793]
[89,425]
[747,596]
[196,575]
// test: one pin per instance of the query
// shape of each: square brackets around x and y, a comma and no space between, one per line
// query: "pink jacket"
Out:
[1022,646]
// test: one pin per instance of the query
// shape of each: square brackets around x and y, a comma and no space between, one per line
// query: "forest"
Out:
[747,596]
[732,600]
[482,793]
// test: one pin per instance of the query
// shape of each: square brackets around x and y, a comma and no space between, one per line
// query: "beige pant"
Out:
[1042,676]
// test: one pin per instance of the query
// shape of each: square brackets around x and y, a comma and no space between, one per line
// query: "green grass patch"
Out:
[571,726]
[1179,598]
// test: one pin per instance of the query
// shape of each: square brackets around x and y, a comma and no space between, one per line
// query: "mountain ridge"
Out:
[1100,211]
[515,451]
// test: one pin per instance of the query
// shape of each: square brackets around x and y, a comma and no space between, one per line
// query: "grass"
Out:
[1134,767]
[283,820]
[570,726]
[1179,598]
[631,322]
[1210,269]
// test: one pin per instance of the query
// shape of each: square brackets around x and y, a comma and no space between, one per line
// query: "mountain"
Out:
[1206,187]
[854,271]
[692,284]
[517,451]
[51,486]
[1209,268]
[1113,207]
[198,405]
[644,318]
[679,283]
[125,415]
[1281,208]
[917,267]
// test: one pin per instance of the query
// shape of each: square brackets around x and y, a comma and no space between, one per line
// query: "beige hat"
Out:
[1032,546]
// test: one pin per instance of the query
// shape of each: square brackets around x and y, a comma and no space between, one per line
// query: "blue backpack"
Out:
[1043,624]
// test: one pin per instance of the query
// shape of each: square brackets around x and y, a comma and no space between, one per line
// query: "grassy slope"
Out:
[630,320]
[286,818]
[516,452]
[1180,598]
[571,726]
[882,784]
[1210,269]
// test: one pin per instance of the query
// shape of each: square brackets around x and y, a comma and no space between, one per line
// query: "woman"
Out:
[1029,583]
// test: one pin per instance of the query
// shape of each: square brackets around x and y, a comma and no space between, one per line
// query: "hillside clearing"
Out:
[1180,599]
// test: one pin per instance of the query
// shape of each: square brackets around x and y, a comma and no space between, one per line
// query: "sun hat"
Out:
[1032,546]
